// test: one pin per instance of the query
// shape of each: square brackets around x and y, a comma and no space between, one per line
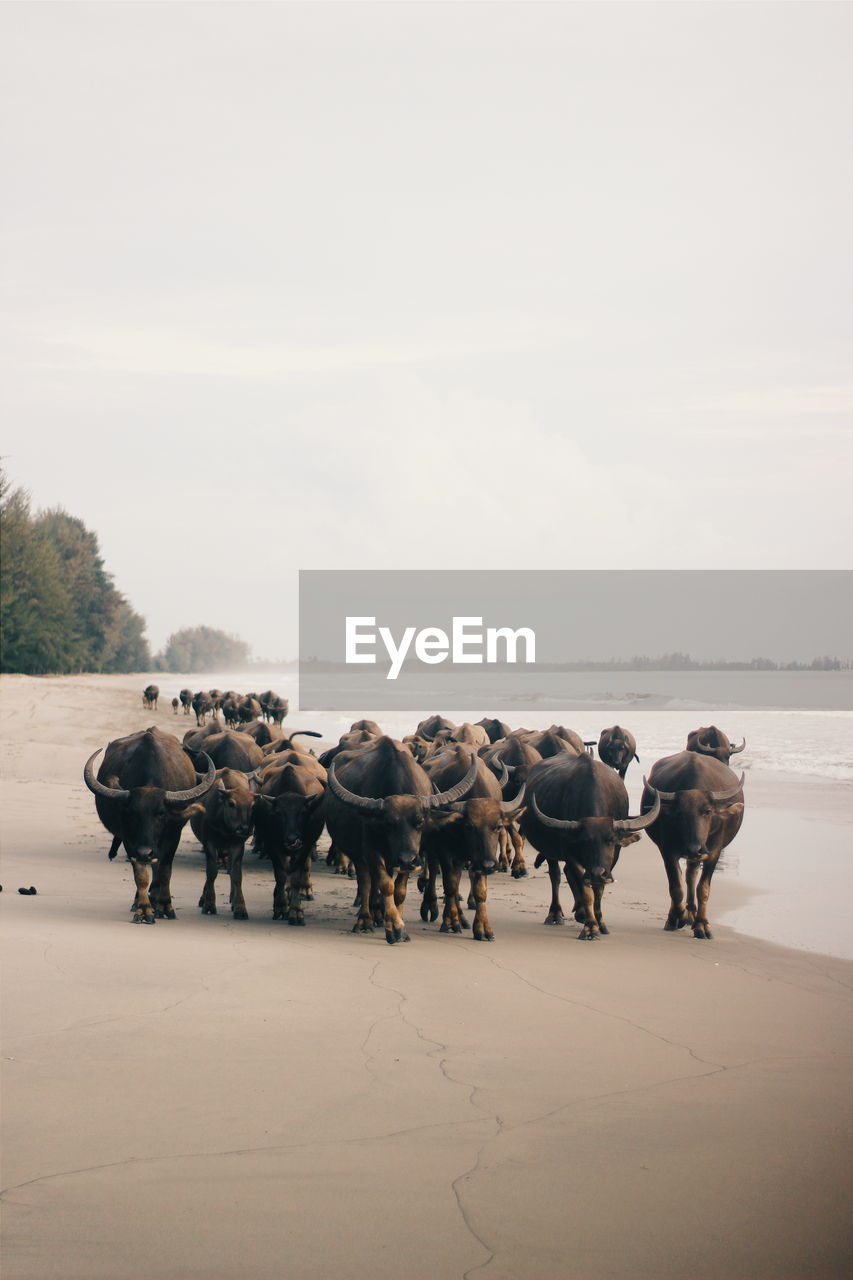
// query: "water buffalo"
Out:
[464,835]
[202,705]
[711,741]
[700,803]
[186,697]
[233,750]
[617,747]
[223,823]
[289,822]
[150,694]
[577,814]
[144,788]
[378,802]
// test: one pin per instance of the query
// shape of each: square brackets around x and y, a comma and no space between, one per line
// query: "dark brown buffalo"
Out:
[353,741]
[577,814]
[248,709]
[230,749]
[289,822]
[711,741]
[432,725]
[548,743]
[464,835]
[143,791]
[617,747]
[186,697]
[150,694]
[202,705]
[701,810]
[378,803]
[496,729]
[511,760]
[368,726]
[175,705]
[196,738]
[223,823]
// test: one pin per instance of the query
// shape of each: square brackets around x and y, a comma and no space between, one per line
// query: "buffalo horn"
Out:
[177,799]
[703,748]
[445,798]
[643,820]
[720,797]
[98,788]
[512,806]
[504,778]
[561,824]
[368,804]
[737,750]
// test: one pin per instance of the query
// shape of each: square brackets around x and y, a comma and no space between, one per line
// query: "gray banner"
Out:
[468,639]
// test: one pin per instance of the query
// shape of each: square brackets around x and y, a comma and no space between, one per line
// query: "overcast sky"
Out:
[427,285]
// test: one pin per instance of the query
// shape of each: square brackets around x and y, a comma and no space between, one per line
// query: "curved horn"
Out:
[703,748]
[643,820]
[561,824]
[504,778]
[665,797]
[367,804]
[98,788]
[177,799]
[461,789]
[720,797]
[736,750]
[512,806]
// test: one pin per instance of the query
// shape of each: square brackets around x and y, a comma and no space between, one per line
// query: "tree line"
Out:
[61,612]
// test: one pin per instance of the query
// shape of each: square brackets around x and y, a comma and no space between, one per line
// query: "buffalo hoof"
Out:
[702,931]
[429,912]
[518,873]
[297,920]
[209,910]
[587,935]
[307,895]
[396,935]
[351,872]
[278,914]
[168,913]
[483,937]
[362,926]
[553,918]
[240,914]
[602,927]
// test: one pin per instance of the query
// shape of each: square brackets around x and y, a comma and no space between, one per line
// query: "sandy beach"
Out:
[212,1099]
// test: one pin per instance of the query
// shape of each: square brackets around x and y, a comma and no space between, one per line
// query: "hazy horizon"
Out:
[490,285]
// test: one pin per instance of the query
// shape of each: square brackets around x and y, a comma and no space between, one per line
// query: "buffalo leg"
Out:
[161,893]
[555,911]
[296,880]
[519,866]
[364,919]
[207,901]
[450,877]
[691,877]
[585,903]
[395,930]
[143,912]
[503,846]
[677,917]
[483,931]
[280,895]
[599,918]
[427,884]
[701,925]
[238,902]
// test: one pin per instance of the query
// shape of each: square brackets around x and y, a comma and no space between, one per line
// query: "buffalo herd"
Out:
[444,801]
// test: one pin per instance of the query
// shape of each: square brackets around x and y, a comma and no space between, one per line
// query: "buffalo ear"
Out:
[731,810]
[193,810]
[630,837]
[441,817]
[510,818]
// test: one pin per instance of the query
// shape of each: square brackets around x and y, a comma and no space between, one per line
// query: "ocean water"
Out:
[794,722]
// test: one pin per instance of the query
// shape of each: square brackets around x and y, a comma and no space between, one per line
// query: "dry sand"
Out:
[214,1099]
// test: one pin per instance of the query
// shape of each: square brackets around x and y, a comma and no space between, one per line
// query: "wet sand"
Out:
[241,1100]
